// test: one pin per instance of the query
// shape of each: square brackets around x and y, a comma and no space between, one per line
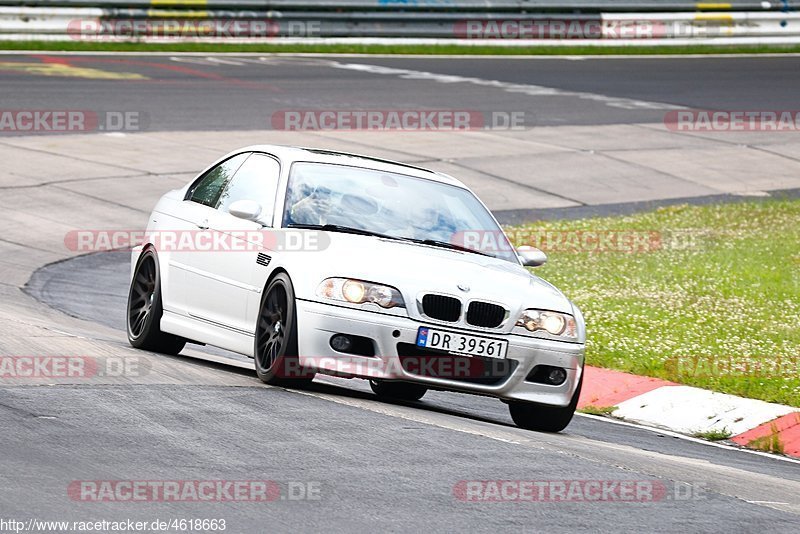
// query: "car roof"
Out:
[292,154]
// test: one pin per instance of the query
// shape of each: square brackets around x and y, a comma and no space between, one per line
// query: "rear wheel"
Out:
[398,390]
[144,309]
[275,350]
[544,418]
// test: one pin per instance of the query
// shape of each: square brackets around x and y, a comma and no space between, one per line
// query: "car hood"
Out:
[418,269]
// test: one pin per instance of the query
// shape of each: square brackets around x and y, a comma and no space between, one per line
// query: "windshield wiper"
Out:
[451,246]
[360,231]
[340,228]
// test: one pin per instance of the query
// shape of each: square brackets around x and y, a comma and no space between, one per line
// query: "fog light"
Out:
[547,374]
[341,343]
[556,376]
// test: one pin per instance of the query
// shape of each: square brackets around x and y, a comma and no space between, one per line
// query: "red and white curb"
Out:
[688,410]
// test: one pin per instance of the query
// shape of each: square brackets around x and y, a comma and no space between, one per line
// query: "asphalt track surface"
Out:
[375,470]
[222,93]
[94,287]
[378,466]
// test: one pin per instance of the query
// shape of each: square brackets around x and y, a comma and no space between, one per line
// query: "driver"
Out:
[313,208]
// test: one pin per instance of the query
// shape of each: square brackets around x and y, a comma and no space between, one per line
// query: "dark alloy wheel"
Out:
[144,310]
[275,351]
[398,390]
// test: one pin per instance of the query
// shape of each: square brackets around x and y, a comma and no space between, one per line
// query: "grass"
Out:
[713,301]
[598,410]
[488,50]
[769,443]
[713,435]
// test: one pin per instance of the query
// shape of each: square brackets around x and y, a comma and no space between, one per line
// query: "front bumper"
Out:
[318,322]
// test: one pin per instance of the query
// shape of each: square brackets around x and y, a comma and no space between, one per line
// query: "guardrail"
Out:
[529,6]
[202,23]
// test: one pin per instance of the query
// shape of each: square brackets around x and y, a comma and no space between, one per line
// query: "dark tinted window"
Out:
[208,189]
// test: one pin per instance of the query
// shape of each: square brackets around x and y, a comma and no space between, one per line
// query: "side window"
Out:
[256,179]
[208,188]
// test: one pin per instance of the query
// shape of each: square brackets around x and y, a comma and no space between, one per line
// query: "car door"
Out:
[189,224]
[225,275]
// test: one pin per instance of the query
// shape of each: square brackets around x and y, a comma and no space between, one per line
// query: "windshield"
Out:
[393,205]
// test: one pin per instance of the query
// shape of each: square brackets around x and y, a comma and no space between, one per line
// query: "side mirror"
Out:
[531,256]
[246,209]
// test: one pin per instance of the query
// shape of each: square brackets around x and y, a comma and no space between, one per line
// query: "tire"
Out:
[543,418]
[398,390]
[144,310]
[275,348]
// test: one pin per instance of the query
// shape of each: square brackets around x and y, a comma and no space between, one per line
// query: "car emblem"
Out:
[463,287]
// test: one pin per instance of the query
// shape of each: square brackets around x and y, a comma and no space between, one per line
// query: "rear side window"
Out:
[208,188]
[257,180]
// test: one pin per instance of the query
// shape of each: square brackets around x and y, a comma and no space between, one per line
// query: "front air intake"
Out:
[441,307]
[485,314]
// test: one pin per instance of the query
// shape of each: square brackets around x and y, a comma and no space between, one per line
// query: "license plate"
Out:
[456,343]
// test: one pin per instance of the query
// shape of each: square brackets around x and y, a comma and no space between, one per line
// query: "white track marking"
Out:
[684,437]
[190,59]
[220,61]
[528,89]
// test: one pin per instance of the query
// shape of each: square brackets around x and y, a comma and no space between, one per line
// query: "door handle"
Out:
[203,225]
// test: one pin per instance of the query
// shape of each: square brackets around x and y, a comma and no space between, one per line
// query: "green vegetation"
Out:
[769,443]
[714,435]
[709,296]
[598,410]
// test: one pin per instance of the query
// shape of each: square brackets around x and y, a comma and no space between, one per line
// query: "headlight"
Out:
[554,323]
[360,292]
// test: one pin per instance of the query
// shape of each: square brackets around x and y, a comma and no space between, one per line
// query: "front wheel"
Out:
[275,350]
[542,418]
[144,309]
[398,390]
